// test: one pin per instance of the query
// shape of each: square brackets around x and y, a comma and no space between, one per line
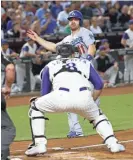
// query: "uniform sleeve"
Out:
[46,84]
[88,38]
[125,36]
[95,79]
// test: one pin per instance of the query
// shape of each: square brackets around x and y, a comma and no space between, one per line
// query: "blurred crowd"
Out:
[49,17]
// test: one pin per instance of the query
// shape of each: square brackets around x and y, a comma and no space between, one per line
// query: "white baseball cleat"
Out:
[116,147]
[36,150]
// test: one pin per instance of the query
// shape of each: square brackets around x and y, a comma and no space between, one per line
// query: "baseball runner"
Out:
[55,77]
[84,40]
[127,42]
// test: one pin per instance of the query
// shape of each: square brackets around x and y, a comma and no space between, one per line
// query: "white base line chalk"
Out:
[97,145]
[74,148]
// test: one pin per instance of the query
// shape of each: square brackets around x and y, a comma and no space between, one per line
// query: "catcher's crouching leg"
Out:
[105,130]
[37,123]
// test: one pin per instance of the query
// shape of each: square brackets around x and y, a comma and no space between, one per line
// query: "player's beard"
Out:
[74,27]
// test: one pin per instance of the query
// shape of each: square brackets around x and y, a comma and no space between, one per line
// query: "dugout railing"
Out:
[113,37]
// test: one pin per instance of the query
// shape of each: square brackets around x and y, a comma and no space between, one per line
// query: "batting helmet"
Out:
[76,14]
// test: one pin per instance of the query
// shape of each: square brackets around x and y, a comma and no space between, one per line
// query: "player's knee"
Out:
[33,114]
[33,111]
[99,120]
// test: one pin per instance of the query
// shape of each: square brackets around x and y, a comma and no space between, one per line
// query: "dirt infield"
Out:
[61,149]
[84,148]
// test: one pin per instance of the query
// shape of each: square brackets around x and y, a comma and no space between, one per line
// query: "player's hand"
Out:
[6,92]
[31,34]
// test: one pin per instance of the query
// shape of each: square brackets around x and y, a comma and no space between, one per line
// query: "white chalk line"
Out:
[75,148]
[98,145]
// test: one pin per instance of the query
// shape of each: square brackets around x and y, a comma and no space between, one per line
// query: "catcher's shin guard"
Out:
[37,123]
[33,141]
[104,128]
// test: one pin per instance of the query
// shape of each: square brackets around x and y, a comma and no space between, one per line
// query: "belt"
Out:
[68,90]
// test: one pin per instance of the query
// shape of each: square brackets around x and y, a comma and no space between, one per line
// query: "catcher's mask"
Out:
[65,50]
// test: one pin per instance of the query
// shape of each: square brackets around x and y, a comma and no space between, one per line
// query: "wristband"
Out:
[89,57]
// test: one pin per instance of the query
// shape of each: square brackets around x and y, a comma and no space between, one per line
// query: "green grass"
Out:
[119,110]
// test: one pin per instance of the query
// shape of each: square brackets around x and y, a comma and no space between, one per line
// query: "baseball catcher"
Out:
[58,95]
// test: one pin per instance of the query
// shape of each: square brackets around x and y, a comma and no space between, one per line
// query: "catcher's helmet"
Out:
[76,14]
[65,50]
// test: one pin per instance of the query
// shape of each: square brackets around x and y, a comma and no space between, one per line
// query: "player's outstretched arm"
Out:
[91,52]
[46,44]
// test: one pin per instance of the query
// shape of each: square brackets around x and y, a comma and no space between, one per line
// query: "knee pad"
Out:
[103,127]
[99,119]
[33,107]
[34,113]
